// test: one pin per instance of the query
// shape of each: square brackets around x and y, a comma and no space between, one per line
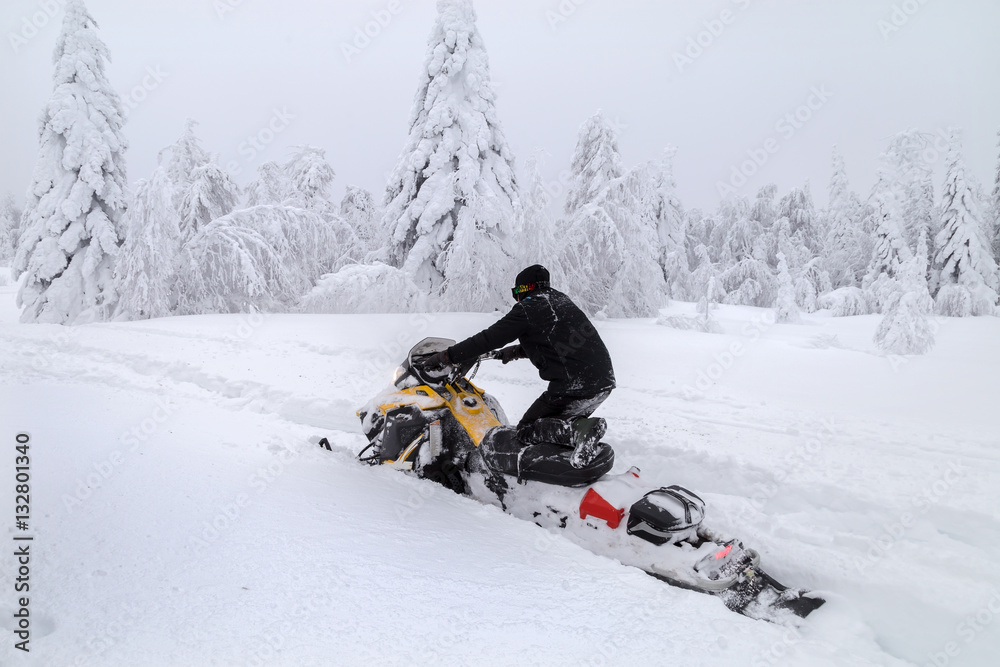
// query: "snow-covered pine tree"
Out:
[705,284]
[668,214]
[71,225]
[797,207]
[537,240]
[610,252]
[454,180]
[10,228]
[310,176]
[596,162]
[785,309]
[211,194]
[179,162]
[891,250]
[969,281]
[271,186]
[146,270]
[750,281]
[848,248]
[904,327]
[741,249]
[361,212]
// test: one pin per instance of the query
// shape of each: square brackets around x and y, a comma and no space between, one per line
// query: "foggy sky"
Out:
[277,71]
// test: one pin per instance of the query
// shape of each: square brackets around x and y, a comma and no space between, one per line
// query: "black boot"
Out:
[587,434]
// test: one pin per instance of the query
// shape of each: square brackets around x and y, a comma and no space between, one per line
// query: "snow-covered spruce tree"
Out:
[811,282]
[10,228]
[179,162]
[596,162]
[848,248]
[269,188]
[804,224]
[667,212]
[452,201]
[537,242]
[750,281]
[310,176]
[740,247]
[969,281]
[890,250]
[146,270]
[362,213]
[785,309]
[705,283]
[610,251]
[737,229]
[914,178]
[70,234]
[904,327]
[211,194]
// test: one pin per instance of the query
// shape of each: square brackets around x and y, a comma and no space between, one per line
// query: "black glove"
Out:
[437,360]
[510,353]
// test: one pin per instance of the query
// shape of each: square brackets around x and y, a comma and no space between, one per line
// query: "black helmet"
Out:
[533,278]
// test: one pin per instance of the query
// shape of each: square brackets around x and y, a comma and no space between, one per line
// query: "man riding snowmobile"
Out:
[559,340]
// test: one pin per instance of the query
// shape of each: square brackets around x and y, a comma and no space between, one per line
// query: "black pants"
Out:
[549,418]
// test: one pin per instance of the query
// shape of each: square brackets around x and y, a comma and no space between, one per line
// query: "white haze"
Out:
[282,64]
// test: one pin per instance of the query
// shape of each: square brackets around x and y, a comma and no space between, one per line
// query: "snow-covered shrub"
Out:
[964,301]
[805,295]
[704,323]
[749,283]
[260,258]
[881,292]
[376,288]
[845,302]
[904,328]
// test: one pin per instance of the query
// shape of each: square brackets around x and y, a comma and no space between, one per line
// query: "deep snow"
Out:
[183,516]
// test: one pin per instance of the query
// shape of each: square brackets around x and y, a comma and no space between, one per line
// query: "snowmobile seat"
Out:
[502,452]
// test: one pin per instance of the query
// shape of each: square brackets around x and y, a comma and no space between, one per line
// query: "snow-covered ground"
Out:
[183,516]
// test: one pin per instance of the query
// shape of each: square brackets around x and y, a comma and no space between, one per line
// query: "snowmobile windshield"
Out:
[413,367]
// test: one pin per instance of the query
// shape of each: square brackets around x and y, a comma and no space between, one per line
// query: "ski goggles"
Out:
[520,290]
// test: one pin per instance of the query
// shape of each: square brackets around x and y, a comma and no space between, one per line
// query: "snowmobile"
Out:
[437,425]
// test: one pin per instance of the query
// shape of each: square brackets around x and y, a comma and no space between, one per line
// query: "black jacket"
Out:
[558,339]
